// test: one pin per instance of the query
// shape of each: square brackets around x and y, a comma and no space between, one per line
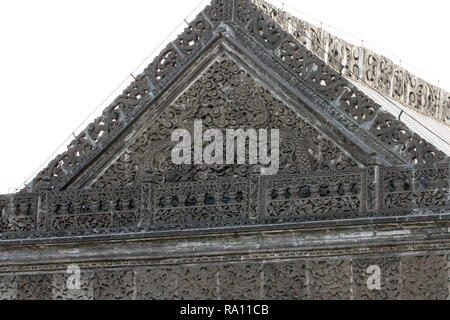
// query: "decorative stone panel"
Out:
[390,279]
[424,277]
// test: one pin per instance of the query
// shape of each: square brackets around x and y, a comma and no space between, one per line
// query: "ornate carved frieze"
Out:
[365,112]
[285,281]
[330,280]
[183,204]
[359,63]
[254,20]
[374,192]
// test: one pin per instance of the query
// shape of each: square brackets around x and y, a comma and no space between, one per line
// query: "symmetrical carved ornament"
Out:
[360,112]
[359,63]
[373,192]
[400,277]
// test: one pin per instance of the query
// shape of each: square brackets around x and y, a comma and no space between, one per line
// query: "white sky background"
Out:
[60,59]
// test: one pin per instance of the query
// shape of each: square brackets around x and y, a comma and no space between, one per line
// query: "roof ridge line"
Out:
[391,80]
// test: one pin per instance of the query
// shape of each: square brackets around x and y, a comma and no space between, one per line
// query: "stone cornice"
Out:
[373,69]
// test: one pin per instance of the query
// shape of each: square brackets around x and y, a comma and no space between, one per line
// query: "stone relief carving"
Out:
[198,283]
[174,59]
[401,277]
[285,281]
[18,213]
[330,280]
[390,131]
[34,287]
[113,285]
[240,282]
[424,277]
[313,197]
[112,208]
[155,284]
[318,180]
[390,279]
[8,288]
[225,96]
[362,64]
[60,290]
[422,187]
[245,200]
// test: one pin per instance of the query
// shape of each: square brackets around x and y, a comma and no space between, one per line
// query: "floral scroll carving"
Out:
[225,96]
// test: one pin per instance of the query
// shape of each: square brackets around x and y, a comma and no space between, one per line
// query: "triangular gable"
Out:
[226,94]
[360,120]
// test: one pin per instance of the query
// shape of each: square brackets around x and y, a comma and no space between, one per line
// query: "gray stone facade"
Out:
[364,65]
[356,187]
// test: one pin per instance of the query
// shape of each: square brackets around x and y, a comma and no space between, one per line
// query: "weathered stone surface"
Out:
[330,280]
[424,277]
[113,285]
[362,64]
[285,281]
[61,290]
[390,279]
[8,288]
[355,188]
[34,287]
[156,283]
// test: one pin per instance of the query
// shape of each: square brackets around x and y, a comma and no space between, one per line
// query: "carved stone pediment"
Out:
[235,68]
[223,96]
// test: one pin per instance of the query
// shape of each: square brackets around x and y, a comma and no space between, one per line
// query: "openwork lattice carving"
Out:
[218,11]
[395,134]
[386,128]
[225,97]
[364,65]
[423,187]
[424,277]
[255,20]
[330,280]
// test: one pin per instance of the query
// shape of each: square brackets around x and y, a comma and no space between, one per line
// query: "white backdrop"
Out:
[60,59]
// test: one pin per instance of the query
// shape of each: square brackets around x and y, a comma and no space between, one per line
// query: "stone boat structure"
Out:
[358,188]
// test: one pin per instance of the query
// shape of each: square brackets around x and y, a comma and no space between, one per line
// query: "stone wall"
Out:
[330,263]
[375,193]
[405,277]
[360,63]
